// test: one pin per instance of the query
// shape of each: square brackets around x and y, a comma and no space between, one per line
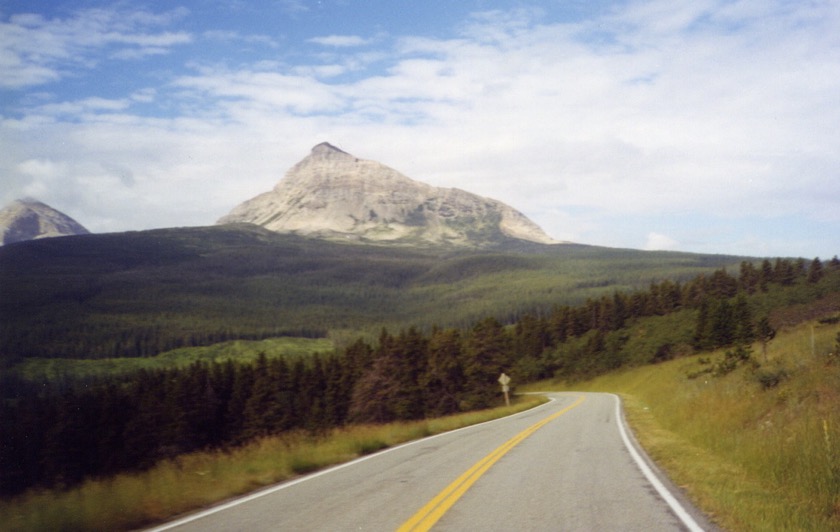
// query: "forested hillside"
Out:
[57,438]
[142,293]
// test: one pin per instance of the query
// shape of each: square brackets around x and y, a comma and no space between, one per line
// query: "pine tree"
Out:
[486,356]
[530,336]
[411,362]
[744,332]
[702,340]
[722,324]
[815,271]
[375,389]
[749,278]
[783,272]
[243,382]
[336,395]
[266,410]
[765,275]
[765,333]
[444,379]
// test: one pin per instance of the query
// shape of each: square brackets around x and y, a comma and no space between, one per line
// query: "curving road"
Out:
[567,465]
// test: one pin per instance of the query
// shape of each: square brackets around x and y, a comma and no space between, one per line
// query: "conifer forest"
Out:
[57,435]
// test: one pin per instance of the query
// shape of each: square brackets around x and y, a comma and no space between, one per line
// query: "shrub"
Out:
[768,378]
[732,359]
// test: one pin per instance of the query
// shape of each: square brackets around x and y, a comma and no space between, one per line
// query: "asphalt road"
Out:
[563,466]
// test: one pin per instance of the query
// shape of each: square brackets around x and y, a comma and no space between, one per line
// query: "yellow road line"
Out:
[429,514]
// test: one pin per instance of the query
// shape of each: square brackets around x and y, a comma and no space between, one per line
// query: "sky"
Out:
[707,126]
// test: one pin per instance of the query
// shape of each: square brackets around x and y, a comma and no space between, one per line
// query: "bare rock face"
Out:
[27,219]
[332,194]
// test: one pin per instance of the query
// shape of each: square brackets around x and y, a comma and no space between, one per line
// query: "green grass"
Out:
[243,351]
[755,458]
[196,480]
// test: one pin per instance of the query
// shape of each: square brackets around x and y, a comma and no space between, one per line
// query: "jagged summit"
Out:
[326,148]
[28,219]
[333,194]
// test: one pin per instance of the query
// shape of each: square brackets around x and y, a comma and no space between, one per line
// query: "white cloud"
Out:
[36,50]
[660,109]
[660,242]
[294,6]
[83,107]
[233,36]
[271,92]
[340,41]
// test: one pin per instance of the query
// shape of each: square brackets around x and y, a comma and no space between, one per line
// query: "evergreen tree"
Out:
[411,362]
[783,272]
[531,336]
[486,356]
[765,275]
[444,379]
[722,285]
[267,409]
[109,446]
[744,332]
[337,395]
[749,279]
[560,324]
[374,390]
[234,416]
[702,339]
[723,323]
[765,333]
[669,296]
[815,271]
[195,407]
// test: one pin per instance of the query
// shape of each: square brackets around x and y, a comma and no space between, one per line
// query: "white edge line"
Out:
[666,495]
[287,484]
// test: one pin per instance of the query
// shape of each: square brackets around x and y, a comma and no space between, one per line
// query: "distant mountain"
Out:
[332,194]
[28,219]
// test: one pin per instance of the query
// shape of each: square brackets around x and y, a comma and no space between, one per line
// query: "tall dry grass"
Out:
[755,457]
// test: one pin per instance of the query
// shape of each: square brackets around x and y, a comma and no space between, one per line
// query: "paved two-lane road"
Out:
[562,466]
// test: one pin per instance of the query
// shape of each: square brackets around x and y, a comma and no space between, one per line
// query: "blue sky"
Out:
[701,125]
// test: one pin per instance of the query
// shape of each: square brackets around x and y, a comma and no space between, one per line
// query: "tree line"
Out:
[101,427]
[107,426]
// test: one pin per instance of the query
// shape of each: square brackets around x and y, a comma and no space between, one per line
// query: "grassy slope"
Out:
[753,458]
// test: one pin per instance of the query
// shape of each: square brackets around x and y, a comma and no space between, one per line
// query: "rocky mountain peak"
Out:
[327,149]
[333,194]
[28,219]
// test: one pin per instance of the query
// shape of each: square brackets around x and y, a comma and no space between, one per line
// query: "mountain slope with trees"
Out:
[139,294]
[151,415]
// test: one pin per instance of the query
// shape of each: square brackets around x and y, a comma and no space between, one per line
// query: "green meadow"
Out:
[47,370]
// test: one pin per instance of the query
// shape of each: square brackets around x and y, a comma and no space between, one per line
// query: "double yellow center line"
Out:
[434,510]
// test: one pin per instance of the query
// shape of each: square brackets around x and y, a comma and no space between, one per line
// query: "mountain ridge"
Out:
[333,194]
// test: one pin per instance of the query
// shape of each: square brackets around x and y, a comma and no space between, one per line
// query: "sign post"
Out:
[504,380]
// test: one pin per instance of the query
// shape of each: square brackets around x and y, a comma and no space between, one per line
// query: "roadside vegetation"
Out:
[191,481]
[756,445]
